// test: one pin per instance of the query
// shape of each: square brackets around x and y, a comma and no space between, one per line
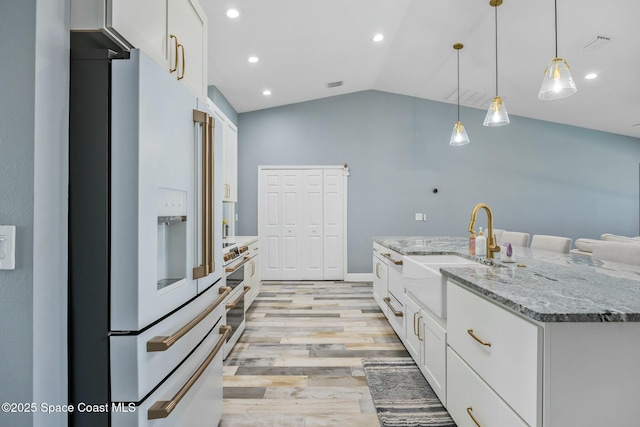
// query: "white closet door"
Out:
[312,262]
[270,224]
[301,223]
[291,224]
[333,224]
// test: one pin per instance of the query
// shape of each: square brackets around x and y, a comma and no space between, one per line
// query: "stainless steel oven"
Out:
[234,303]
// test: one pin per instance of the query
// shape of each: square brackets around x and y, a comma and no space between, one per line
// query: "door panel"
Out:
[333,227]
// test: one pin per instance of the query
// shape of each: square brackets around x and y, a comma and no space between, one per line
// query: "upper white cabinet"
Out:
[172,32]
[230,159]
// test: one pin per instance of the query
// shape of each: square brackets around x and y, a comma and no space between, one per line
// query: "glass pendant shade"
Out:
[497,113]
[459,135]
[557,82]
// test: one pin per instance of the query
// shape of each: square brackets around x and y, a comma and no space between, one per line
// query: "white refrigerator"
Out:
[146,319]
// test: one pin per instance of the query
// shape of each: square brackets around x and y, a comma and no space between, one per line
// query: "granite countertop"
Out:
[544,286]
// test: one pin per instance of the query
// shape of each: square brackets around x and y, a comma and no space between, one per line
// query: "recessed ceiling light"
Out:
[253,59]
[233,13]
[378,38]
[266,92]
[591,76]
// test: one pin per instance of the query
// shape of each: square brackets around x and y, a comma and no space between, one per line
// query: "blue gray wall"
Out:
[33,196]
[17,105]
[219,99]
[538,177]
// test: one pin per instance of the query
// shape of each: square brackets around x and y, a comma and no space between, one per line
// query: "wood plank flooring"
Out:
[298,363]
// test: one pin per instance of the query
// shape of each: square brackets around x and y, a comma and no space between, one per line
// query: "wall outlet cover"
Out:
[7,247]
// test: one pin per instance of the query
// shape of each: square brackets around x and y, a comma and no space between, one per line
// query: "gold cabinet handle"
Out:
[395,312]
[395,261]
[163,343]
[163,408]
[377,272]
[469,411]
[421,338]
[237,301]
[415,331]
[173,68]
[486,343]
[181,47]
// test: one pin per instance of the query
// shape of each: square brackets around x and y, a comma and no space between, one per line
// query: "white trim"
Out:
[358,277]
[300,167]
[345,175]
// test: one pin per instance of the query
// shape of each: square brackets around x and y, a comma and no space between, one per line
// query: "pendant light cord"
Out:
[496,21]
[458,51]
[555,12]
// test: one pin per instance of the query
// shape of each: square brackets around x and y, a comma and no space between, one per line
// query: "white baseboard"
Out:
[359,277]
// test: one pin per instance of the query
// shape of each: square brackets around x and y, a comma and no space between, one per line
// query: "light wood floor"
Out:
[298,363]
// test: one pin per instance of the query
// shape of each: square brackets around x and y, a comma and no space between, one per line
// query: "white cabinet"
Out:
[388,288]
[252,274]
[426,341]
[472,403]
[380,281]
[230,160]
[501,347]
[149,26]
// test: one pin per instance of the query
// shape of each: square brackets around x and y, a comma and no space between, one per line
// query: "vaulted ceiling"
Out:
[303,45]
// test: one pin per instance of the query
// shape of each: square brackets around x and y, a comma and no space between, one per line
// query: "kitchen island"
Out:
[550,340]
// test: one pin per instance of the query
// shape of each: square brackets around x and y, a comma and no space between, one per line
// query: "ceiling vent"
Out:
[335,84]
[596,43]
[472,98]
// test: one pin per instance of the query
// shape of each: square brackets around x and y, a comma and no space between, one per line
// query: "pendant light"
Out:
[497,114]
[557,82]
[459,135]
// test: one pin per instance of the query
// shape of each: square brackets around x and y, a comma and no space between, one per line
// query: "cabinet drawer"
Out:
[136,371]
[469,396]
[396,315]
[201,406]
[508,358]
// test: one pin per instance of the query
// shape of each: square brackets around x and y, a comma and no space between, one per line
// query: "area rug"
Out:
[402,396]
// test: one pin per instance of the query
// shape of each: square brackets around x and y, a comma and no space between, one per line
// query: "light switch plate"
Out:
[7,247]
[418,217]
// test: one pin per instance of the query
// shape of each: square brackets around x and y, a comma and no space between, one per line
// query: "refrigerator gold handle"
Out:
[211,124]
[174,67]
[163,343]
[204,269]
[163,408]
[181,47]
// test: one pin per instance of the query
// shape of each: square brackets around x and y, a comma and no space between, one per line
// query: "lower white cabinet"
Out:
[501,347]
[252,274]
[380,281]
[426,341]
[471,402]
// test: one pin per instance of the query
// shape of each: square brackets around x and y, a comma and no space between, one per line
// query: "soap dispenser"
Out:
[481,244]
[472,243]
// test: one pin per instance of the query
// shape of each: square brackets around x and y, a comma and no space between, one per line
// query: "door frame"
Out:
[345,174]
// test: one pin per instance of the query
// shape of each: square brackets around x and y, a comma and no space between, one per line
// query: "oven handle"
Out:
[163,343]
[162,408]
[232,305]
[245,260]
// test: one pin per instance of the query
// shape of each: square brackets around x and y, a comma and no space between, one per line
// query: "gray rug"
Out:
[403,398]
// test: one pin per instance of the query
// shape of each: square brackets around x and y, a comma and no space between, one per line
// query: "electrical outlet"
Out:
[7,247]
[418,217]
